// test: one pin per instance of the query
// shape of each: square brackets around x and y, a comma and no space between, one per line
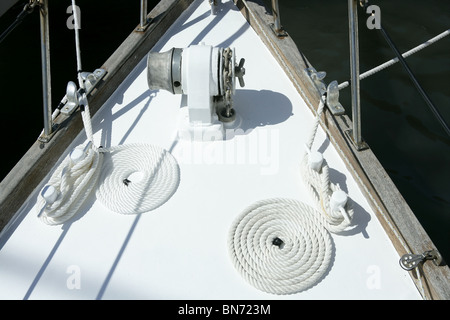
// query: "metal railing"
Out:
[355,133]
[143,16]
[45,62]
[46,78]
[276,25]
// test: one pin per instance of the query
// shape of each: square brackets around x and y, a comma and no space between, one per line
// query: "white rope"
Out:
[137,178]
[320,187]
[73,182]
[280,246]
[381,210]
[85,113]
[395,60]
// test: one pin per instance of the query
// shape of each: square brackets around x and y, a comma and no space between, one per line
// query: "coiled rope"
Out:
[280,246]
[73,182]
[384,215]
[77,176]
[137,178]
[321,189]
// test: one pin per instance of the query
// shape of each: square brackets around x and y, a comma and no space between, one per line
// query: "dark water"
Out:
[396,122]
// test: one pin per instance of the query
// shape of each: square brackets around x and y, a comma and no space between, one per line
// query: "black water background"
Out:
[396,122]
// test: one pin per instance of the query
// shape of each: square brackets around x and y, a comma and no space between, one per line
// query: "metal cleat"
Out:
[317,78]
[333,99]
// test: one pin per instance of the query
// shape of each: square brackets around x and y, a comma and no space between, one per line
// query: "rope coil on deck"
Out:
[73,182]
[137,178]
[320,187]
[280,246]
[155,179]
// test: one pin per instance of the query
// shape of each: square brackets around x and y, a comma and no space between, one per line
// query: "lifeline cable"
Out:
[27,9]
[419,88]
[389,63]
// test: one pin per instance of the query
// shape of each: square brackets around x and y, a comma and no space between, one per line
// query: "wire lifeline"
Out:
[409,72]
[27,10]
[419,88]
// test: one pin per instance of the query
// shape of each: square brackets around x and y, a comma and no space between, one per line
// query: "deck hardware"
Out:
[317,78]
[333,99]
[46,74]
[278,242]
[364,3]
[276,26]
[206,78]
[315,160]
[214,6]
[239,71]
[338,201]
[354,72]
[144,21]
[411,261]
[361,145]
[50,194]
[71,99]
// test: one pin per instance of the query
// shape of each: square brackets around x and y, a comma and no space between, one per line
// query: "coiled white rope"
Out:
[77,175]
[137,178]
[280,246]
[69,186]
[395,60]
[127,179]
[321,189]
[329,197]
[73,180]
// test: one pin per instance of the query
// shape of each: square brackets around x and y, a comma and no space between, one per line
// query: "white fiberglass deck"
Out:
[179,250]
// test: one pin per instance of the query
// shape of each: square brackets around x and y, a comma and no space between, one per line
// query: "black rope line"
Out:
[27,9]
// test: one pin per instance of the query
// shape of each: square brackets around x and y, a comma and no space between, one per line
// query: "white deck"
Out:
[179,250]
